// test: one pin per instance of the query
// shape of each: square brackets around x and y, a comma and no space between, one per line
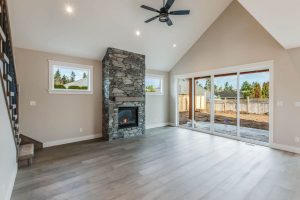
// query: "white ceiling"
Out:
[98,24]
[279,17]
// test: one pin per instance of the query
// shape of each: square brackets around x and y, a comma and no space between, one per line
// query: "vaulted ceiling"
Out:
[97,24]
[279,17]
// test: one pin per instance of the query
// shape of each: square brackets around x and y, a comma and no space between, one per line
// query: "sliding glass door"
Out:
[233,104]
[185,87]
[202,103]
[254,105]
[225,104]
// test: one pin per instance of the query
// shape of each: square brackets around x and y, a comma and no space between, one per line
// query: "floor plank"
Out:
[166,163]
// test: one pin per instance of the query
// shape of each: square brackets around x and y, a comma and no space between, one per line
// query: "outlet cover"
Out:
[297,139]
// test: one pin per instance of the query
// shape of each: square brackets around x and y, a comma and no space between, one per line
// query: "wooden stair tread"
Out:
[26,151]
[3,37]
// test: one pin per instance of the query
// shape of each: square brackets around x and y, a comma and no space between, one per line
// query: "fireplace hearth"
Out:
[128,117]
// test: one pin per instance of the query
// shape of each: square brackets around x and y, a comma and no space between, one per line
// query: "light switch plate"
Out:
[32,103]
[297,104]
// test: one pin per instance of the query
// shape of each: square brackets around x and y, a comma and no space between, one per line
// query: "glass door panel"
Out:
[185,102]
[202,103]
[225,104]
[254,105]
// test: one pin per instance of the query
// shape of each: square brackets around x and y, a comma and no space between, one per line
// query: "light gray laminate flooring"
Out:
[166,163]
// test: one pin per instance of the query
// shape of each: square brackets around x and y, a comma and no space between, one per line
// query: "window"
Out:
[154,84]
[69,78]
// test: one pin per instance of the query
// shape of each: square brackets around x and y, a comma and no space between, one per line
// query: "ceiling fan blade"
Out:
[151,19]
[169,22]
[149,8]
[180,12]
[169,4]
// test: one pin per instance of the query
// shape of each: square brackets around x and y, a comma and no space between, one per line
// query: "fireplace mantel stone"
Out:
[123,85]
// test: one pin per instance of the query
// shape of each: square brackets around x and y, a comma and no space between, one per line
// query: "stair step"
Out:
[15,117]
[10,94]
[4,58]
[3,37]
[26,152]
[7,77]
[13,106]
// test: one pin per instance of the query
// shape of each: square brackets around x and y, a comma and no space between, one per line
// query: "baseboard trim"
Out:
[285,148]
[157,125]
[71,140]
[11,183]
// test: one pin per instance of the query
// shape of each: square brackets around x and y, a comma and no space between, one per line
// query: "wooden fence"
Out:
[252,106]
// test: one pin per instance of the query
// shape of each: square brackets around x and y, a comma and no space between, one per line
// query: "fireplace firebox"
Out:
[128,117]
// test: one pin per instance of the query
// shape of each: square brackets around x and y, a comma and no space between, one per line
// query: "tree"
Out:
[265,90]
[84,75]
[57,77]
[246,89]
[207,85]
[227,87]
[150,88]
[256,90]
[64,79]
[73,75]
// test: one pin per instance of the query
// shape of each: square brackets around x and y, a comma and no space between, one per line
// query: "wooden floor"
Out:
[167,163]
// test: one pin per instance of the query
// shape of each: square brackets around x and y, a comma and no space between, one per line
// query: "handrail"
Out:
[9,79]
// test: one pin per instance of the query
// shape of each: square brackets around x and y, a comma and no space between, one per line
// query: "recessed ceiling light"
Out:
[69,9]
[174,45]
[138,33]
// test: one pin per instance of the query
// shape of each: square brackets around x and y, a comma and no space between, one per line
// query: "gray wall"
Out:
[8,163]
[157,106]
[236,38]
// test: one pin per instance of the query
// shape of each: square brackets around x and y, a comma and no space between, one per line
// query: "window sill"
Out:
[69,92]
[154,94]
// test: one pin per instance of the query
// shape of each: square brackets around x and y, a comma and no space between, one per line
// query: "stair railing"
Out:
[8,72]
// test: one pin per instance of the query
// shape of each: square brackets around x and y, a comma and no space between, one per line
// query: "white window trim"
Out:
[161,77]
[52,90]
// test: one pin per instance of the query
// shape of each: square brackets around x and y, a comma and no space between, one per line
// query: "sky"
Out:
[153,81]
[232,80]
[67,72]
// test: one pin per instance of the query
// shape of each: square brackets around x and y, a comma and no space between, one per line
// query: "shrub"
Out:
[74,87]
[59,87]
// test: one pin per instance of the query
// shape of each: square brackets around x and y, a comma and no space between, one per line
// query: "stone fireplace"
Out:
[123,94]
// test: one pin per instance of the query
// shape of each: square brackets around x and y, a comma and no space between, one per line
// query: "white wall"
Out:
[157,106]
[8,163]
[235,39]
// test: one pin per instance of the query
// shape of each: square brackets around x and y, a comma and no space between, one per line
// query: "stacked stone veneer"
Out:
[123,86]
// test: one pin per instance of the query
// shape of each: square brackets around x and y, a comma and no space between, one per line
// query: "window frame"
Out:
[67,65]
[161,78]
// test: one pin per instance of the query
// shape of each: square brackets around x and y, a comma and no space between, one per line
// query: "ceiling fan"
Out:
[164,13]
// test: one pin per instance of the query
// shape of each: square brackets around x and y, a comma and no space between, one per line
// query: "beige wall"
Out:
[8,162]
[157,106]
[56,116]
[234,39]
[59,116]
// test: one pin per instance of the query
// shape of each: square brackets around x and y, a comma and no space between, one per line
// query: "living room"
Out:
[149,99]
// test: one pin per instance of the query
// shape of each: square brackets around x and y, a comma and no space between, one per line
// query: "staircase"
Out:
[9,82]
